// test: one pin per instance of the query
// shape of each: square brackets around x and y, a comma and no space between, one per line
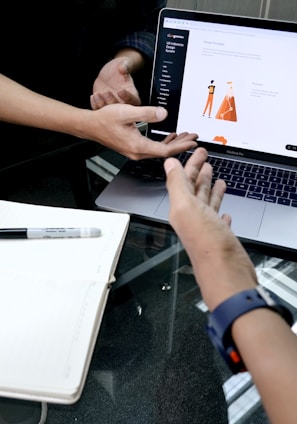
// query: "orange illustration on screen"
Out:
[209,101]
[227,110]
[220,139]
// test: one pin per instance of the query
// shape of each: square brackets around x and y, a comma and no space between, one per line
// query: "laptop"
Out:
[231,80]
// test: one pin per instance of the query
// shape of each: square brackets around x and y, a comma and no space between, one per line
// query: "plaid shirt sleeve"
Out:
[143,23]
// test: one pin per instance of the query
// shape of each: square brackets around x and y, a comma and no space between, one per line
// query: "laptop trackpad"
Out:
[279,226]
[246,214]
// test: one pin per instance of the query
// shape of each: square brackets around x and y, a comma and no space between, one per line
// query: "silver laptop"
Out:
[232,81]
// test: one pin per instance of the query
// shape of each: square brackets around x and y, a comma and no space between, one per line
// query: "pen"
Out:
[47,233]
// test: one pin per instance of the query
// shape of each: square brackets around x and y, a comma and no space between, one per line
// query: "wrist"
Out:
[220,280]
[82,123]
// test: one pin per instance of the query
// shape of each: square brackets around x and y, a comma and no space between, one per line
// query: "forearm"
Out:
[22,106]
[269,350]
[222,268]
[140,32]
[265,341]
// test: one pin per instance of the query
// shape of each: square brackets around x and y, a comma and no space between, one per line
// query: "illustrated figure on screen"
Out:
[209,102]
[227,110]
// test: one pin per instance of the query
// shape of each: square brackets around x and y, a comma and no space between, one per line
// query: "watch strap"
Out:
[221,319]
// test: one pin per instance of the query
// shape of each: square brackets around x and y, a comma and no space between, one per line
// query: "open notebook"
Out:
[231,80]
[53,296]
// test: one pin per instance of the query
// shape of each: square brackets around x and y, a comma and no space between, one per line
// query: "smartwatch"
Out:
[221,319]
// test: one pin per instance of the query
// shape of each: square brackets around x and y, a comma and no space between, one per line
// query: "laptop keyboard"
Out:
[153,169]
[147,169]
[254,181]
[274,185]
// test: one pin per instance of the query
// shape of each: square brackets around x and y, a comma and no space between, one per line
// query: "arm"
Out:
[113,126]
[222,269]
[132,51]
[140,25]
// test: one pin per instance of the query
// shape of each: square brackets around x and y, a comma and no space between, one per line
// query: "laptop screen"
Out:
[229,79]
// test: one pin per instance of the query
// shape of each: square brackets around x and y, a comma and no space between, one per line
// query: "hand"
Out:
[221,265]
[115,127]
[114,84]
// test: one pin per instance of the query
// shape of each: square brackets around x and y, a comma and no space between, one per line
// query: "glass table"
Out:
[153,362]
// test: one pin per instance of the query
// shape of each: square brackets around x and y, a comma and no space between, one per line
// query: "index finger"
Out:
[194,164]
[129,98]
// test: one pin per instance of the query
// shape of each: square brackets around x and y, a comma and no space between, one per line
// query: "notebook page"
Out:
[47,330]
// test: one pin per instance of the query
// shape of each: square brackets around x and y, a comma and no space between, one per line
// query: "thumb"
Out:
[124,67]
[142,113]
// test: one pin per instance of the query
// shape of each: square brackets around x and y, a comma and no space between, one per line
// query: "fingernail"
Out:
[161,113]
